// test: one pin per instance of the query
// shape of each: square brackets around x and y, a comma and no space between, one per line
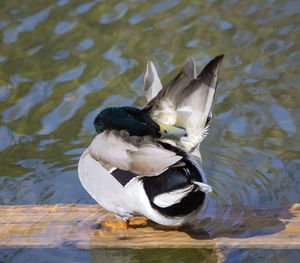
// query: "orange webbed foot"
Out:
[135,224]
[125,224]
[121,224]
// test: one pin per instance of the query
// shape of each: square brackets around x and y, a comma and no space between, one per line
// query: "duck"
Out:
[147,162]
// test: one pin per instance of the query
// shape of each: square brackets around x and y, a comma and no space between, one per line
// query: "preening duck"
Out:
[147,161]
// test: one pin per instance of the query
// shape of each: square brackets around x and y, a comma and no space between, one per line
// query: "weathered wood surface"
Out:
[81,226]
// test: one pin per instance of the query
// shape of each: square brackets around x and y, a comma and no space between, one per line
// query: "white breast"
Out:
[104,188]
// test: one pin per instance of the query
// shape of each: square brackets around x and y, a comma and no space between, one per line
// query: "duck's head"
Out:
[137,122]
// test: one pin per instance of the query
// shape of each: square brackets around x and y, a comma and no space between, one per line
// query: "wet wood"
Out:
[81,226]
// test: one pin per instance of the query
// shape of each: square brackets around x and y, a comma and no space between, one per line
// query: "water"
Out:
[62,61]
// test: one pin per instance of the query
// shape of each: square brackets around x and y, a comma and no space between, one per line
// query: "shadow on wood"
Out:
[81,226]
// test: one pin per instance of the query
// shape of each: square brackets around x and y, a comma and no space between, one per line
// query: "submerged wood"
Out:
[81,226]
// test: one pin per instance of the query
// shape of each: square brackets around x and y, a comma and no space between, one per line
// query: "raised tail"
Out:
[186,101]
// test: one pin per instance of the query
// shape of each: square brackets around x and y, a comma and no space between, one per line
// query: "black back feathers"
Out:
[176,178]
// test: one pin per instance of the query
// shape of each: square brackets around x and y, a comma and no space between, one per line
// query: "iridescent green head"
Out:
[131,119]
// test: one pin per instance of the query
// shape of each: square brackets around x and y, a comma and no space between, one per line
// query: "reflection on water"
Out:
[62,61]
[110,255]
[152,255]
[49,255]
[262,255]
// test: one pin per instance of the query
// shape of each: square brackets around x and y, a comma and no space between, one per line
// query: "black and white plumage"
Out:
[136,167]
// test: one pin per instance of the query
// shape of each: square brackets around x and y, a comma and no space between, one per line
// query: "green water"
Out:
[62,61]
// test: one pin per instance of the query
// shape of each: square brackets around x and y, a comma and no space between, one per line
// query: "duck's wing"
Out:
[139,155]
[194,103]
[187,73]
[187,100]
[152,84]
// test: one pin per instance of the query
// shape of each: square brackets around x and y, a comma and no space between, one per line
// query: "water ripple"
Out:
[2,24]
[274,46]
[85,44]
[15,80]
[3,58]
[62,2]
[243,38]
[63,27]
[285,30]
[71,74]
[198,43]
[181,15]
[294,58]
[39,92]
[158,8]
[71,103]
[119,11]
[115,54]
[283,118]
[221,24]
[10,35]
[9,138]
[84,8]
[61,54]
[5,92]
[34,50]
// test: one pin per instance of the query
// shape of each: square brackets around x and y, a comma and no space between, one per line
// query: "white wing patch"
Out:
[173,197]
[203,187]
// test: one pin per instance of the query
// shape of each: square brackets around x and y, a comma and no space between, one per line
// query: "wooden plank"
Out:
[81,226]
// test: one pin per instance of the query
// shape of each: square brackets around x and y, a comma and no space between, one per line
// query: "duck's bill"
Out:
[171,132]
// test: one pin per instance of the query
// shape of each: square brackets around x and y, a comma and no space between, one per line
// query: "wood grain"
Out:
[81,226]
